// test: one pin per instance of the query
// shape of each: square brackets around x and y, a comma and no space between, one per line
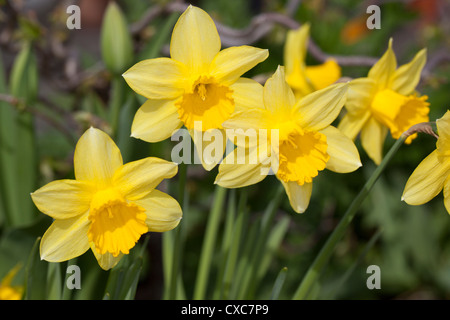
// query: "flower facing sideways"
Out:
[383,101]
[306,144]
[109,205]
[199,83]
[301,78]
[432,175]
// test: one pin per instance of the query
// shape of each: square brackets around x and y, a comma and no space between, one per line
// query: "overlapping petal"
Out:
[195,40]
[159,78]
[65,239]
[137,179]
[63,199]
[277,93]
[299,195]
[373,135]
[344,156]
[231,63]
[320,108]
[96,157]
[247,94]
[163,212]
[427,180]
[155,120]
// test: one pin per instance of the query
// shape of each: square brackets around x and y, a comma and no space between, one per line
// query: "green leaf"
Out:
[116,42]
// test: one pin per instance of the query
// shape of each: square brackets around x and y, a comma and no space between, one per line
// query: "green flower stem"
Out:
[321,260]
[209,243]
[177,247]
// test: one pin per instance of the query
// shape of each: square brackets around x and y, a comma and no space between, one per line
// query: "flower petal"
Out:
[241,167]
[63,199]
[160,78]
[344,156]
[163,212]
[360,94]
[96,157]
[447,194]
[323,75]
[320,108]
[295,49]
[277,93]
[299,196]
[383,70]
[351,124]
[209,146]
[137,179]
[407,76]
[427,180]
[373,135]
[105,261]
[247,94]
[195,40]
[155,120]
[65,239]
[231,63]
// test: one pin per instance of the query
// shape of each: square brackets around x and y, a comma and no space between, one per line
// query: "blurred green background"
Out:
[55,83]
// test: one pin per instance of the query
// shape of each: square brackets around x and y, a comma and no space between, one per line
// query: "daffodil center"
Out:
[399,112]
[302,155]
[208,102]
[116,225]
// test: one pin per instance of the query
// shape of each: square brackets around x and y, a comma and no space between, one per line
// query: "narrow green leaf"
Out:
[278,285]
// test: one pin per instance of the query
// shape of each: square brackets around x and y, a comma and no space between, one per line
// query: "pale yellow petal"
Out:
[407,76]
[163,212]
[63,199]
[344,156]
[320,108]
[295,49]
[241,167]
[352,124]
[65,239]
[427,180]
[160,78]
[137,179]
[447,194]
[323,75]
[443,128]
[231,63]
[209,147]
[383,70]
[247,94]
[105,261]
[155,120]
[360,94]
[299,196]
[247,119]
[195,40]
[277,93]
[96,157]
[373,135]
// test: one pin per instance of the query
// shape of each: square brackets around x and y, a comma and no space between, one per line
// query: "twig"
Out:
[21,106]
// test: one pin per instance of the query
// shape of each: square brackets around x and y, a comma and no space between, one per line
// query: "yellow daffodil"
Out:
[307,143]
[305,79]
[8,291]
[109,205]
[199,83]
[433,173]
[383,101]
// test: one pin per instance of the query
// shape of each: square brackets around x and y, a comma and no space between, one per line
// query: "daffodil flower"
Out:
[199,83]
[305,79]
[433,173]
[109,205]
[383,101]
[7,290]
[307,143]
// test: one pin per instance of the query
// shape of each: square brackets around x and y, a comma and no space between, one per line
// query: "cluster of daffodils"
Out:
[110,205]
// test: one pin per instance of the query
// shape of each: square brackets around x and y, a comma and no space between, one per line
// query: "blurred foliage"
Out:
[67,80]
